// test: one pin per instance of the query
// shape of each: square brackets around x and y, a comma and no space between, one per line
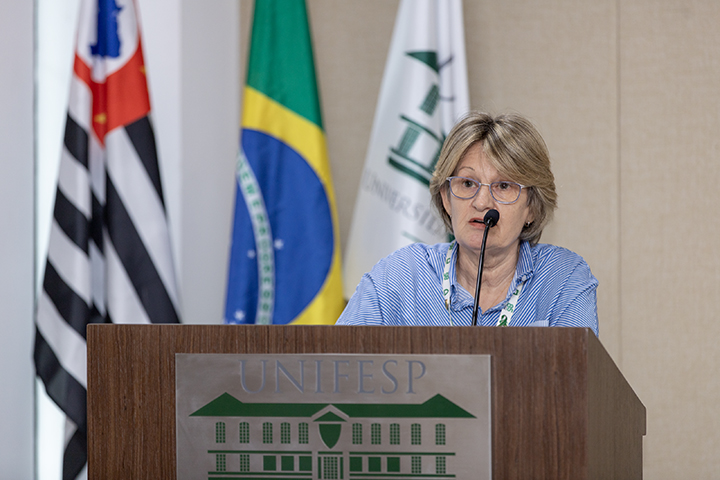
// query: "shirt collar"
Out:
[459,297]
[525,264]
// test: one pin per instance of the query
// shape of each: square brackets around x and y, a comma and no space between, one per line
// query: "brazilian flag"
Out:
[285,258]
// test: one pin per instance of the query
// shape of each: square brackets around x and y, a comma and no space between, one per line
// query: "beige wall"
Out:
[627,95]
[670,270]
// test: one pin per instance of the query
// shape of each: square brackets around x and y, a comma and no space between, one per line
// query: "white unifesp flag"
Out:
[423,93]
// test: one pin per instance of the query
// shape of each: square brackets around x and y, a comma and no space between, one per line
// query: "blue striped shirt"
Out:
[405,288]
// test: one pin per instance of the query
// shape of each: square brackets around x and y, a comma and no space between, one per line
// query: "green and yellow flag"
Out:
[285,259]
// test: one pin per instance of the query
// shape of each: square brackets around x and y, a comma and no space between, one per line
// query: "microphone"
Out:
[490,220]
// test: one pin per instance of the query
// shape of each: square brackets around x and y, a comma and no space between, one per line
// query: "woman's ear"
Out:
[445,194]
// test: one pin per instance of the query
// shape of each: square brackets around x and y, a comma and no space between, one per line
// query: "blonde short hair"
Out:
[515,149]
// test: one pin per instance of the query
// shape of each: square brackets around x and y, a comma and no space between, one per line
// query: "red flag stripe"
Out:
[123,97]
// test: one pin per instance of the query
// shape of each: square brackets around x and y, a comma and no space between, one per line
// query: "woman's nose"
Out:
[483,198]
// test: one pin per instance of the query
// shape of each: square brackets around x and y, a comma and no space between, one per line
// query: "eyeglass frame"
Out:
[489,185]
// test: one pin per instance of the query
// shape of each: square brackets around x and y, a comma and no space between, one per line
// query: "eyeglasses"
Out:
[503,192]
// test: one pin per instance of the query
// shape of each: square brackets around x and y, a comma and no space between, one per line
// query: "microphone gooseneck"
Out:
[490,220]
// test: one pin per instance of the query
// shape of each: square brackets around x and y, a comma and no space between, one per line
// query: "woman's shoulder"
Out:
[548,250]
[545,255]
[418,250]
[413,254]
[559,261]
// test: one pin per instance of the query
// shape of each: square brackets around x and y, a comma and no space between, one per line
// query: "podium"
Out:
[561,409]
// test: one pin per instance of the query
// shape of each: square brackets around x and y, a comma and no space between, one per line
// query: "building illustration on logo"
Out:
[283,441]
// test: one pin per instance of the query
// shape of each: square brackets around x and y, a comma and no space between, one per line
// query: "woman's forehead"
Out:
[476,160]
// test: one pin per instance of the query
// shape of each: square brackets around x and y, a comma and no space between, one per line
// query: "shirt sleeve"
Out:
[364,306]
[577,303]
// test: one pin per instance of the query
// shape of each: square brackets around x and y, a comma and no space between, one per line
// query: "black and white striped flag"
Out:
[109,257]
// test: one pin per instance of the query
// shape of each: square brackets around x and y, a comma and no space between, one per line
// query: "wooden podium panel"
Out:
[560,407]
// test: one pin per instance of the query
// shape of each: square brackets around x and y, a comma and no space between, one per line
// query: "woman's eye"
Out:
[468,184]
[502,185]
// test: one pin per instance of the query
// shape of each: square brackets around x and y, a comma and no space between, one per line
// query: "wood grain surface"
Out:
[561,408]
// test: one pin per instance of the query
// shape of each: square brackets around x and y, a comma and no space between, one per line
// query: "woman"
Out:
[486,163]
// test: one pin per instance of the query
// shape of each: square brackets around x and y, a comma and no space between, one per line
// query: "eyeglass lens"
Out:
[504,192]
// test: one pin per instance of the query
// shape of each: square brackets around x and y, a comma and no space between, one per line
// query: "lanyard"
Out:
[507,310]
